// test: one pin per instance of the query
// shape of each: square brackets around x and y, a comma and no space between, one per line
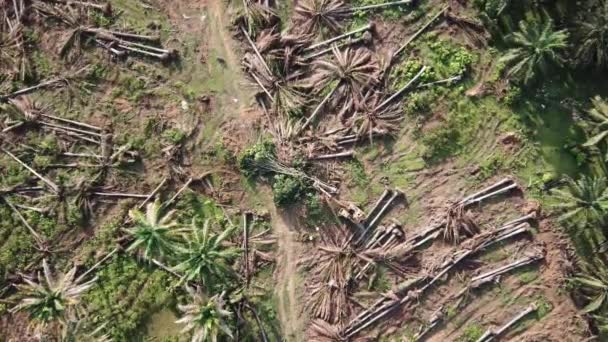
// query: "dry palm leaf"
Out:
[258,16]
[458,223]
[332,271]
[370,121]
[312,15]
[321,331]
[354,70]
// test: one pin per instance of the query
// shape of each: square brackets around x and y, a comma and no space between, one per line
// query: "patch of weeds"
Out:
[543,307]
[132,88]
[471,333]
[490,166]
[449,59]
[451,312]
[124,296]
[96,73]
[42,161]
[528,275]
[288,190]
[42,64]
[49,144]
[441,142]
[316,213]
[357,173]
[222,153]
[380,282]
[404,72]
[174,136]
[418,103]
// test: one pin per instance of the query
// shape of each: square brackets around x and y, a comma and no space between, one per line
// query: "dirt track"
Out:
[286,276]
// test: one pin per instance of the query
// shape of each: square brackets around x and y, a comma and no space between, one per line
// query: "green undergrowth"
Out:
[125,295]
[471,332]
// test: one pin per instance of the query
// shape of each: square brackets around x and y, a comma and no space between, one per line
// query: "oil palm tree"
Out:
[593,35]
[206,259]
[155,233]
[598,115]
[583,202]
[534,48]
[593,284]
[584,205]
[205,318]
[52,298]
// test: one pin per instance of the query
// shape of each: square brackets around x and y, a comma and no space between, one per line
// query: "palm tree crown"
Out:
[52,298]
[593,282]
[535,47]
[205,258]
[593,32]
[154,232]
[205,317]
[583,202]
[598,116]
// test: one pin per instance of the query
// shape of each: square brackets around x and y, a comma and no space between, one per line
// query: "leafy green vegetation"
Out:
[288,190]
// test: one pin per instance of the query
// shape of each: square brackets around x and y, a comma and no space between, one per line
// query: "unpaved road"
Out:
[286,275]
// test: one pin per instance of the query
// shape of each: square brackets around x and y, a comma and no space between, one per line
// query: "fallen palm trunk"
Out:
[317,109]
[491,189]
[330,49]
[246,248]
[382,197]
[448,80]
[70,129]
[393,231]
[119,194]
[371,224]
[154,39]
[115,41]
[255,49]
[97,264]
[110,48]
[73,122]
[491,335]
[400,91]
[47,181]
[475,283]
[39,240]
[28,90]
[179,192]
[482,242]
[72,134]
[364,28]
[152,194]
[419,32]
[105,9]
[378,6]
[346,154]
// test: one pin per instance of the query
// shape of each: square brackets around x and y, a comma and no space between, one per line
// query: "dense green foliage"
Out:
[252,156]
[126,294]
[592,30]
[535,48]
[288,189]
